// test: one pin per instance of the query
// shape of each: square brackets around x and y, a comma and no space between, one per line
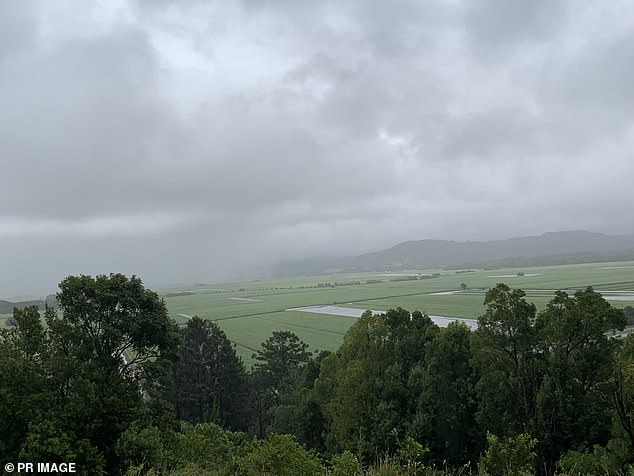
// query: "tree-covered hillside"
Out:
[111,383]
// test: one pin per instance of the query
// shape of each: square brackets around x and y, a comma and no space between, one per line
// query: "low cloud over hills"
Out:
[548,248]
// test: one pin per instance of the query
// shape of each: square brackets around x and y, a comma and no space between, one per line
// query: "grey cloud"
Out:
[401,29]
[197,140]
[79,123]
[18,27]
[496,134]
[597,79]
[500,24]
[321,67]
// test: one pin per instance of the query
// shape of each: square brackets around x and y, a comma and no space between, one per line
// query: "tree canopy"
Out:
[208,381]
[110,382]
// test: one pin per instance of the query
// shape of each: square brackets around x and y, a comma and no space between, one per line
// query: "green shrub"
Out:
[582,463]
[140,447]
[410,453]
[207,445]
[513,456]
[346,464]
[279,455]
[385,467]
[47,441]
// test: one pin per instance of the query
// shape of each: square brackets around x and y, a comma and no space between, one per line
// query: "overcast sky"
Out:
[196,140]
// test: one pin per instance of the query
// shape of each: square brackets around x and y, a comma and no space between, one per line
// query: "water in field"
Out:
[620,297]
[610,295]
[441,321]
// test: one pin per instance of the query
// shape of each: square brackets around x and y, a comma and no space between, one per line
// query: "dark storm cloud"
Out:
[198,140]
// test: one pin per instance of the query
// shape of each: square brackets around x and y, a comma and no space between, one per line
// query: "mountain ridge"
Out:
[434,253]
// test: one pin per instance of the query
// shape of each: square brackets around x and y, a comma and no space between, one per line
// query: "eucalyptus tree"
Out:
[580,357]
[72,387]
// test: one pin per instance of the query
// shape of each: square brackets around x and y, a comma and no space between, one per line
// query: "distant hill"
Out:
[558,247]
[6,307]
[553,260]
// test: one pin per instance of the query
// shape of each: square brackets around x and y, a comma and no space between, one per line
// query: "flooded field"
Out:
[441,321]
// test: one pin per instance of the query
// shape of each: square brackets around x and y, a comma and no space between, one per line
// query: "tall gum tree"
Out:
[580,357]
[510,368]
[118,323]
[546,375]
[363,387]
[108,342]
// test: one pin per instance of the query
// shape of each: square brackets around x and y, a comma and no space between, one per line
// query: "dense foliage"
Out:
[110,382]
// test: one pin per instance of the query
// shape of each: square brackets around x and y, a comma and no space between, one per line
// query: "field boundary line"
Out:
[352,301]
[305,327]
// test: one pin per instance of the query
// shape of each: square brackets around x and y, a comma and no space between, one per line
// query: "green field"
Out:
[250,311]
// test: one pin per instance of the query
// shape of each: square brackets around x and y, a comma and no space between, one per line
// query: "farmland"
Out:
[250,311]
